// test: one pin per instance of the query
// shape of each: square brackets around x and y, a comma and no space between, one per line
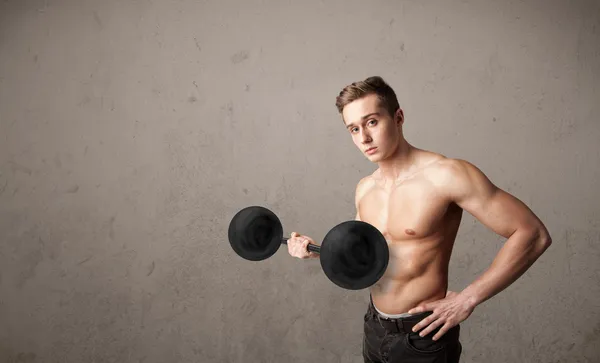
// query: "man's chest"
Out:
[406,212]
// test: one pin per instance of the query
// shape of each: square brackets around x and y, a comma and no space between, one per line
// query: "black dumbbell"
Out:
[353,254]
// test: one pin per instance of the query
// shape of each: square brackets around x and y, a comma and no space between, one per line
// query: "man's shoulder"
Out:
[453,167]
[446,166]
[364,184]
[454,175]
[437,164]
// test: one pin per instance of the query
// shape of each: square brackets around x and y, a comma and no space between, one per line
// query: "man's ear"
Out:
[399,116]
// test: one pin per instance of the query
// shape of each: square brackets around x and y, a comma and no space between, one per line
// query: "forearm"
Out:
[519,252]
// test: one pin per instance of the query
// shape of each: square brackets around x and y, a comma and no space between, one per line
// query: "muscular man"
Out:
[416,199]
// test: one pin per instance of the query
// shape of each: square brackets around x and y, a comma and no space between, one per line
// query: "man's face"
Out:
[374,131]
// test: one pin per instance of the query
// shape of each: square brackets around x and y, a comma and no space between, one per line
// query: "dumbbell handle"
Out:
[311,247]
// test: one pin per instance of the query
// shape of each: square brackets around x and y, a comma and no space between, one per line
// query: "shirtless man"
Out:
[416,199]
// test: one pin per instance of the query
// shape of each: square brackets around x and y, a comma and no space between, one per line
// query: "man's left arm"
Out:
[527,239]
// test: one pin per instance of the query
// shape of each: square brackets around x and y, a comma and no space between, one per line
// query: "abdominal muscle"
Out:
[417,273]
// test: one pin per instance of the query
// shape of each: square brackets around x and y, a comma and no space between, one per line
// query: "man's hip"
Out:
[392,340]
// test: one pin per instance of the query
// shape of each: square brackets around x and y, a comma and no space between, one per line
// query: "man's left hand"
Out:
[449,312]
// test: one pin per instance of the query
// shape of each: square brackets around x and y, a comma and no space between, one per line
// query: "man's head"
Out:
[373,117]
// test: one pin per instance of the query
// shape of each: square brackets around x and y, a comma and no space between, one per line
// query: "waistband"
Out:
[396,325]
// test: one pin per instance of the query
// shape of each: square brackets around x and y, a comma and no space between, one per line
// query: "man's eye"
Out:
[374,121]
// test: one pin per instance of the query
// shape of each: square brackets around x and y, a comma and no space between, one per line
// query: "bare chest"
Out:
[406,212]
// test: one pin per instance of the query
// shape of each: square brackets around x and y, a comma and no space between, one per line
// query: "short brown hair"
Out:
[372,85]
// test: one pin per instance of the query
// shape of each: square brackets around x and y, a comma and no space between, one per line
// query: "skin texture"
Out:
[416,199]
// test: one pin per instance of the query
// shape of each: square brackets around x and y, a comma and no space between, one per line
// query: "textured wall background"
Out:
[132,131]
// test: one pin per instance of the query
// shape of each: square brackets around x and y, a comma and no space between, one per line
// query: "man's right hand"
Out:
[298,246]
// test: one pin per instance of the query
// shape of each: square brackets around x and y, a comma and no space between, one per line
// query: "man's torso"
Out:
[420,225]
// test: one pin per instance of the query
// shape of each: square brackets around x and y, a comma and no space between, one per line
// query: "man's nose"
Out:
[365,137]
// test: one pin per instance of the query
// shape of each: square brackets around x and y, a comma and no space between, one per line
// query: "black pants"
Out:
[392,340]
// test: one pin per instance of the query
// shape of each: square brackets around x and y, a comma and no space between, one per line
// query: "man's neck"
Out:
[402,164]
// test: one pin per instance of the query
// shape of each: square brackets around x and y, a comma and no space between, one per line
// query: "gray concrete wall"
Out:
[132,131]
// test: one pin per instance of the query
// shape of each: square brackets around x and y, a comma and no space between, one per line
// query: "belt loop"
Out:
[378,319]
[381,323]
[400,325]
